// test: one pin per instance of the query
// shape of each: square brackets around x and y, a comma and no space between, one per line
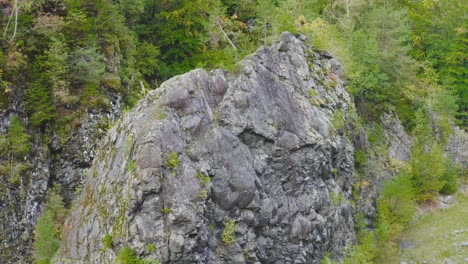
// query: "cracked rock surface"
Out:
[257,147]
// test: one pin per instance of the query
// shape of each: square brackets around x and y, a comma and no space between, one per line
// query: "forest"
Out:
[61,59]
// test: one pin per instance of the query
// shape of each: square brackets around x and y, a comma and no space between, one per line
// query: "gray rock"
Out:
[252,148]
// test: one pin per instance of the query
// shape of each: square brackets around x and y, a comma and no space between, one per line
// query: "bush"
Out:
[360,159]
[128,256]
[19,140]
[146,58]
[364,252]
[339,120]
[204,179]
[397,201]
[111,81]
[172,161]
[427,170]
[450,179]
[48,228]
[107,241]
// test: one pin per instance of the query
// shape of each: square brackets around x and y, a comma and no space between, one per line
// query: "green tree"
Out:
[147,57]
[380,44]
[56,67]
[427,170]
[19,140]
[39,103]
[49,227]
[87,65]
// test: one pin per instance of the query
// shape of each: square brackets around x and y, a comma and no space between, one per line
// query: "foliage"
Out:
[127,256]
[339,120]
[88,65]
[450,178]
[151,248]
[364,252]
[427,170]
[49,227]
[337,198]
[397,202]
[39,103]
[107,241]
[204,179]
[19,140]
[165,210]
[228,233]
[360,158]
[172,161]
[147,59]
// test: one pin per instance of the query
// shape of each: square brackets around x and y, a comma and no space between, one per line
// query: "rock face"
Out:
[262,149]
[65,164]
[457,147]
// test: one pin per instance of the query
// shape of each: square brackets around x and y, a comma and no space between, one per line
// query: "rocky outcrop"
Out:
[457,147]
[246,167]
[62,163]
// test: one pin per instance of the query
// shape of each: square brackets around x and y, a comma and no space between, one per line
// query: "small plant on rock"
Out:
[107,241]
[166,210]
[172,161]
[204,179]
[228,232]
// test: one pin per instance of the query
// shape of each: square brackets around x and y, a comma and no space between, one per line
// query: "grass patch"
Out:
[107,241]
[172,161]
[437,235]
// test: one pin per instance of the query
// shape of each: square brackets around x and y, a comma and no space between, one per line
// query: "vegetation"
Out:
[204,179]
[127,256]
[49,227]
[14,147]
[107,241]
[445,236]
[172,161]
[228,233]
[151,248]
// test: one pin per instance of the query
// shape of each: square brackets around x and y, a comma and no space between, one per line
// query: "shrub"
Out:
[107,241]
[151,248]
[450,179]
[360,158]
[146,57]
[337,198]
[397,200]
[48,228]
[88,65]
[203,194]
[338,120]
[172,161]
[131,167]
[127,256]
[204,179]
[364,252]
[427,170]
[111,81]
